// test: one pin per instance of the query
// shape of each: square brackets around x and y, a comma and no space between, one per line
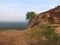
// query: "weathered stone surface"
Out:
[52,15]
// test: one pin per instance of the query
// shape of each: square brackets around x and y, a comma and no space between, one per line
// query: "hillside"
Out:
[52,15]
[34,36]
[40,31]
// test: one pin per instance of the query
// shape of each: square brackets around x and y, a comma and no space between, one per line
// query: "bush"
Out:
[48,31]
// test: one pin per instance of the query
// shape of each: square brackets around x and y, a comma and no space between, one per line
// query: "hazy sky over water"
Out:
[15,10]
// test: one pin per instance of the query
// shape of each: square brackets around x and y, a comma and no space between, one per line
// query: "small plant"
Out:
[47,31]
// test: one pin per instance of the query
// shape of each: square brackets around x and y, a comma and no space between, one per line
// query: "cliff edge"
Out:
[52,15]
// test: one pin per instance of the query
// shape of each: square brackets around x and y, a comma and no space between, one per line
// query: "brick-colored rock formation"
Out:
[52,15]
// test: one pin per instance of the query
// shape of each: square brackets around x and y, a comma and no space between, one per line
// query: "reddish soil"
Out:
[12,38]
[57,30]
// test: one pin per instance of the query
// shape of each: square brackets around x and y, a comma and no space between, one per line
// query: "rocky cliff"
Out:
[52,15]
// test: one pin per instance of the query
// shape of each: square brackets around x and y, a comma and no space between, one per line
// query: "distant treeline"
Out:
[13,25]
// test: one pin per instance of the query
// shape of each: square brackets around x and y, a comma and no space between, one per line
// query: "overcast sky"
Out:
[15,10]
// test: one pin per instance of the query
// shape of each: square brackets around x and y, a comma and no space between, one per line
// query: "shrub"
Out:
[47,31]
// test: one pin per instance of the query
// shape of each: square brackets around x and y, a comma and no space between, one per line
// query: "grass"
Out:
[35,36]
[38,33]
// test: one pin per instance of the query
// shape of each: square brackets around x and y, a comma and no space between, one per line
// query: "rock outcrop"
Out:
[52,15]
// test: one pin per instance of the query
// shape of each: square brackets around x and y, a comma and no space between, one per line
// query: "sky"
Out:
[15,10]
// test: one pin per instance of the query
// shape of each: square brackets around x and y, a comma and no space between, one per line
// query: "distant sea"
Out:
[13,25]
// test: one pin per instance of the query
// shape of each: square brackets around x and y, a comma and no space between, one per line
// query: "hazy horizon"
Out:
[15,21]
[15,10]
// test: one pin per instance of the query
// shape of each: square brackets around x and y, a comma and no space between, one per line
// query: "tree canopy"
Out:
[30,15]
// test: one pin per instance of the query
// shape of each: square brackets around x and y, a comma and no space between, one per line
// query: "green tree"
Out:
[30,15]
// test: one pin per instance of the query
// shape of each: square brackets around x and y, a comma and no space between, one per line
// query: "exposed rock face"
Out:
[52,15]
